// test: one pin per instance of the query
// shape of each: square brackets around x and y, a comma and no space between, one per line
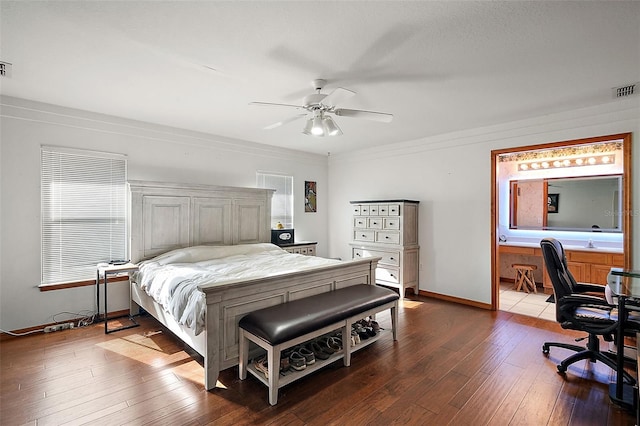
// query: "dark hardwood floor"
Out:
[452,364]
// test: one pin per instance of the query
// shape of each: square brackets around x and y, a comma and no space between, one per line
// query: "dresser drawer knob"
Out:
[391,258]
[387,237]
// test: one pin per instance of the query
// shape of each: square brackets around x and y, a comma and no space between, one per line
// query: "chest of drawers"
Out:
[388,229]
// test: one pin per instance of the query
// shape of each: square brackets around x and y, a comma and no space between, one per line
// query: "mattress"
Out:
[175,279]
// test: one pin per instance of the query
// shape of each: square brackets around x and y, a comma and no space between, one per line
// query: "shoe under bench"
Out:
[279,327]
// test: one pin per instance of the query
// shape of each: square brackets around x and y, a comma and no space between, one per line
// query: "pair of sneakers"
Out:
[362,330]
[324,347]
[296,358]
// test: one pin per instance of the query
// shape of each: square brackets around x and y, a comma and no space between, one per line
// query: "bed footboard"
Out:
[226,305]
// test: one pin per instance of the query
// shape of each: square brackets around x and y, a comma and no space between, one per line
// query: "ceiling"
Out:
[437,66]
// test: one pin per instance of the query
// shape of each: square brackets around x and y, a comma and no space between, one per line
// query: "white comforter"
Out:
[173,279]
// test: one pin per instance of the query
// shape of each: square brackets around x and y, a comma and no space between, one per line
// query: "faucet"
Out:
[590,244]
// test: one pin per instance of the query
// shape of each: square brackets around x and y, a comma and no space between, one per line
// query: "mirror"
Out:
[586,203]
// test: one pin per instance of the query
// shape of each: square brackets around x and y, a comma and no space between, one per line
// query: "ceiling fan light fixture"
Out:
[331,127]
[318,106]
[317,127]
[308,126]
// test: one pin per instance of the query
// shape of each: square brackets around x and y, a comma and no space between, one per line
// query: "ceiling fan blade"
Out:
[283,122]
[337,96]
[275,105]
[368,115]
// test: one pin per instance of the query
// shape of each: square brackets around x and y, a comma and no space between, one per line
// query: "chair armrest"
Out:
[585,299]
[589,288]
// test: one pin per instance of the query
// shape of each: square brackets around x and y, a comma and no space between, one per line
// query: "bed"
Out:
[166,217]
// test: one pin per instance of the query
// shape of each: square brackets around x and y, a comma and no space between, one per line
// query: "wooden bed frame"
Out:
[166,216]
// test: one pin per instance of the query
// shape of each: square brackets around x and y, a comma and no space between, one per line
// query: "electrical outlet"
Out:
[58,327]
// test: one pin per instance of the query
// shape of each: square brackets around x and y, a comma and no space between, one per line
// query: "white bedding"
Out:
[174,278]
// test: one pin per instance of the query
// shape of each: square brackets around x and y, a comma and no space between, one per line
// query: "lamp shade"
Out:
[331,128]
[320,125]
[317,128]
[307,127]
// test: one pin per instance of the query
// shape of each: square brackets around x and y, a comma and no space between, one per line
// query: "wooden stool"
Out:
[524,277]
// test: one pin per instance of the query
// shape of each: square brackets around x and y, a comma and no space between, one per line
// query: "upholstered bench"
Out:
[283,326]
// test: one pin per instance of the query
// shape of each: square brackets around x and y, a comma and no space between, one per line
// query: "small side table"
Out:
[105,270]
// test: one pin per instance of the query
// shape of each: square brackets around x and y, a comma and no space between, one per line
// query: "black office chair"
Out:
[576,310]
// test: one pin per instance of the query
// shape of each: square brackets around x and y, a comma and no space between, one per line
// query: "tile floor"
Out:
[531,304]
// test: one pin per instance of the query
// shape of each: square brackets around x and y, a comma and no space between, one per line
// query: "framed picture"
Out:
[310,196]
[552,203]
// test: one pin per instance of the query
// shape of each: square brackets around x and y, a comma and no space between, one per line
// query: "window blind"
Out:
[282,201]
[84,213]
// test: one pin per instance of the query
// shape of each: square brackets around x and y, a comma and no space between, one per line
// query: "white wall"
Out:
[154,153]
[451,177]
[448,174]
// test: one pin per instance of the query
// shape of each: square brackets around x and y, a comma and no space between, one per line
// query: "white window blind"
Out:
[282,202]
[84,213]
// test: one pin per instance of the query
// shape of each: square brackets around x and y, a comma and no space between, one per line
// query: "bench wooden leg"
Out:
[243,354]
[273,358]
[394,321]
[346,343]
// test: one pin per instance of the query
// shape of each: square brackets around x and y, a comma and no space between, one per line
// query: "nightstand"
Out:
[105,269]
[301,247]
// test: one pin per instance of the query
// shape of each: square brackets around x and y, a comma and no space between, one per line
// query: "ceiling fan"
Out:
[317,108]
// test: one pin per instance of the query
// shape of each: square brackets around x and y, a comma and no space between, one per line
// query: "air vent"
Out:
[624,91]
[5,69]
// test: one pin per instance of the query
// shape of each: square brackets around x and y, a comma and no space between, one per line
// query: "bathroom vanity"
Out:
[588,265]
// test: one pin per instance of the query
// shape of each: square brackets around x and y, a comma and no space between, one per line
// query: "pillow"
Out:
[200,253]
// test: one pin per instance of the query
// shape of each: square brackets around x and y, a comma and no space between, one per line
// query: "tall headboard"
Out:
[166,216]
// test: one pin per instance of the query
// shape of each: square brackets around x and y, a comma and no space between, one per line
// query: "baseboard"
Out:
[5,336]
[454,299]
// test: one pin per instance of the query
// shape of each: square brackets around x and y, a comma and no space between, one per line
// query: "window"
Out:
[282,202]
[84,212]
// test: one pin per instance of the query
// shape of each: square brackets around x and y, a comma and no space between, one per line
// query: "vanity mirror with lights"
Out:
[575,191]
[585,203]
